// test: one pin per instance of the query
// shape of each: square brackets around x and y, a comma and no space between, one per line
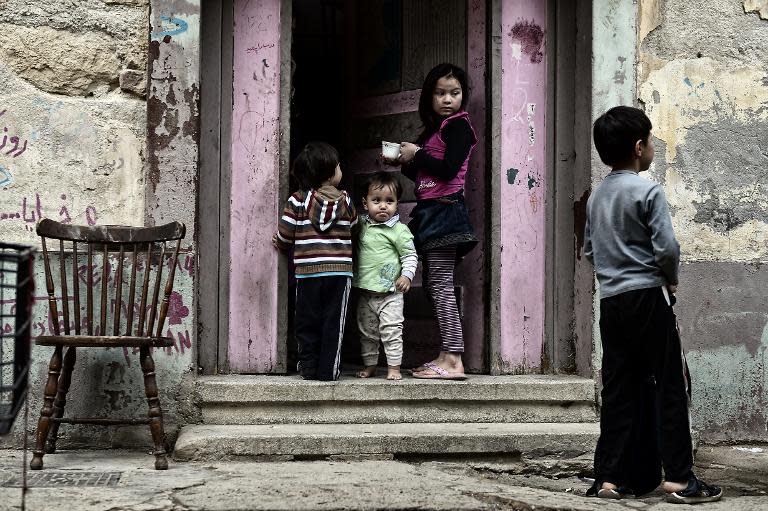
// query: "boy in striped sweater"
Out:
[317,221]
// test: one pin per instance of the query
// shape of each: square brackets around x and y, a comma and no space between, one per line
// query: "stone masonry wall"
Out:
[703,78]
[73,111]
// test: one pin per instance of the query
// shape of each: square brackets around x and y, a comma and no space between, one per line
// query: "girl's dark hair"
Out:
[384,179]
[429,118]
[617,131]
[315,164]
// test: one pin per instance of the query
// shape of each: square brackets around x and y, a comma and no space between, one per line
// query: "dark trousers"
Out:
[321,311]
[644,420]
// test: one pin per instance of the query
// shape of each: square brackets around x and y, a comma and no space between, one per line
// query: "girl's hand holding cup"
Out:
[407,151]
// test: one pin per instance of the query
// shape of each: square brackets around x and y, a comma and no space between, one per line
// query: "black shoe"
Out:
[696,492]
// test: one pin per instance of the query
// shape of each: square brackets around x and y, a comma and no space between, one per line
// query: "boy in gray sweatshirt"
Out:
[644,422]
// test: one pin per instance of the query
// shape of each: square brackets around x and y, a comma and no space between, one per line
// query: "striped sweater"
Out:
[318,223]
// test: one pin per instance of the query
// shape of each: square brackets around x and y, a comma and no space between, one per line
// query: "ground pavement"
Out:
[123,480]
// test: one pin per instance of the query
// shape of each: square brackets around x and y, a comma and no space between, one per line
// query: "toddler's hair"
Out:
[315,164]
[429,118]
[383,179]
[616,132]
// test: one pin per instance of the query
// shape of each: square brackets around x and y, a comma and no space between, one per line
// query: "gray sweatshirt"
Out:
[629,236]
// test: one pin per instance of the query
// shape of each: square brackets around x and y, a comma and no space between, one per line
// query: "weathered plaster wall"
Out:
[613,83]
[703,78]
[72,148]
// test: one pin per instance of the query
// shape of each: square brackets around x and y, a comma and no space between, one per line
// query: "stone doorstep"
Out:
[212,442]
[352,412]
[240,389]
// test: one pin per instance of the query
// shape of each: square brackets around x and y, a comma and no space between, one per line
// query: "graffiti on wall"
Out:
[32,209]
[171,26]
[11,145]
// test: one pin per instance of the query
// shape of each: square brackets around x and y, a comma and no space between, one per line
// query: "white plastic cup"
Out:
[390,150]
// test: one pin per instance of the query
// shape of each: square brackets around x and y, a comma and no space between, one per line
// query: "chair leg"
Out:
[61,399]
[155,412]
[43,425]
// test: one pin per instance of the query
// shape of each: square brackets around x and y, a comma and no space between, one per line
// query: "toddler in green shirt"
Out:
[384,268]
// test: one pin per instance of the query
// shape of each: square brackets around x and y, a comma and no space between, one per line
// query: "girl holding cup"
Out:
[438,164]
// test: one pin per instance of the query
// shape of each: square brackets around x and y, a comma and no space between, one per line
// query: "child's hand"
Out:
[407,151]
[403,284]
[275,242]
[672,288]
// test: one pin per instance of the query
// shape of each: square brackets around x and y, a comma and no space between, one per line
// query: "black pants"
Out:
[644,420]
[321,310]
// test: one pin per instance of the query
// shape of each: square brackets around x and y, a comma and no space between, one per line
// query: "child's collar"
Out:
[389,223]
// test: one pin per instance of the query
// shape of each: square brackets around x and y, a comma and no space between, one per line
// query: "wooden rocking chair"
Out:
[139,245]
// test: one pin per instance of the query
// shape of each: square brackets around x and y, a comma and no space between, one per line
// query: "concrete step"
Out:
[289,441]
[249,399]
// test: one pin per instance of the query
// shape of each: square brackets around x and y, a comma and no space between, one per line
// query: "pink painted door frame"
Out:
[519,191]
[517,316]
[255,344]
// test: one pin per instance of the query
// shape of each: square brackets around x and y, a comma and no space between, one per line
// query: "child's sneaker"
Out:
[696,492]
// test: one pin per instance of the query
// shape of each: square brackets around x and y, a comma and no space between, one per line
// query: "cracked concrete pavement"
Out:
[355,483]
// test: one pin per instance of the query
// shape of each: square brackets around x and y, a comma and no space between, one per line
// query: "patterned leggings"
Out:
[439,264]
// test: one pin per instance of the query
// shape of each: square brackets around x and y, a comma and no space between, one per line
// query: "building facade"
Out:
[143,112]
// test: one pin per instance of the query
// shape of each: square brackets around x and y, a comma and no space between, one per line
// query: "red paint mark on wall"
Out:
[176,309]
[531,38]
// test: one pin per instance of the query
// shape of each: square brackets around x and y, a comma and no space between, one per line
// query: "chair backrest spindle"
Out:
[89,291]
[76,286]
[144,290]
[104,284]
[49,288]
[119,292]
[168,290]
[156,291]
[132,290]
[64,293]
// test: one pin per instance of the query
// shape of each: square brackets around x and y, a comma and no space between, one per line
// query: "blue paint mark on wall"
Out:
[512,175]
[695,89]
[181,27]
[6,177]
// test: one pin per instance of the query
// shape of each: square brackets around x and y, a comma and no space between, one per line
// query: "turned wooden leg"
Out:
[54,369]
[61,399]
[155,413]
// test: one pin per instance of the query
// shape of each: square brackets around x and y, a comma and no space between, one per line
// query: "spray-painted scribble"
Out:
[180,27]
[6,177]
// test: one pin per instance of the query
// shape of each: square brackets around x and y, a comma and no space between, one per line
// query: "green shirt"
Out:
[385,251]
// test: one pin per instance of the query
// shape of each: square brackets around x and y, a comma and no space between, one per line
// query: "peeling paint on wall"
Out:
[699,90]
[703,75]
[173,108]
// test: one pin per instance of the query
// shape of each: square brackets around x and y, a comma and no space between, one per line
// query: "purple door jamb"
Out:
[523,187]
[253,282]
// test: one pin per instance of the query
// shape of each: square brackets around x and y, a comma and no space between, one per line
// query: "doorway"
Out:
[349,72]
[357,72]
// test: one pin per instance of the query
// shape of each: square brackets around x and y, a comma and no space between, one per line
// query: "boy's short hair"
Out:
[616,132]
[383,179]
[315,164]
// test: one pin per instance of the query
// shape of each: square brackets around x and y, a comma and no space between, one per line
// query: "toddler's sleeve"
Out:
[407,251]
[286,226]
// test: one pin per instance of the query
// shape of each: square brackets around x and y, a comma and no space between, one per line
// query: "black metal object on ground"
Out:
[54,479]
[16,287]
